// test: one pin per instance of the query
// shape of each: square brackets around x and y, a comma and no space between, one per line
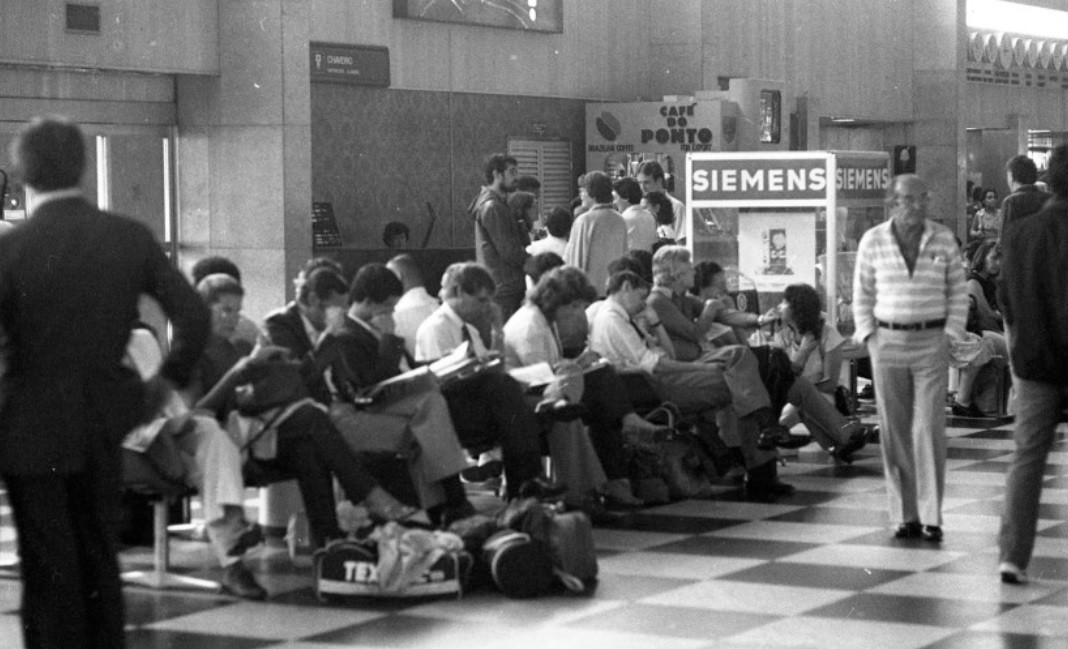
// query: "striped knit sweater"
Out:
[884,290]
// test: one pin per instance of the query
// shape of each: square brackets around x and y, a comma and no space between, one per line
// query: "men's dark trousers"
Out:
[71,592]
[313,451]
[489,409]
[605,397]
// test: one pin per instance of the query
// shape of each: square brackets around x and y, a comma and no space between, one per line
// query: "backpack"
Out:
[567,538]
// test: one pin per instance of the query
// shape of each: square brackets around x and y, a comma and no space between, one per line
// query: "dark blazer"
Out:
[357,359]
[1023,202]
[70,278]
[285,328]
[1032,295]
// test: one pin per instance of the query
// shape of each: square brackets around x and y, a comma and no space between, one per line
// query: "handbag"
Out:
[273,383]
[383,565]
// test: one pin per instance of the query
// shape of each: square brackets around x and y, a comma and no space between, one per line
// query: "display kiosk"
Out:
[763,217]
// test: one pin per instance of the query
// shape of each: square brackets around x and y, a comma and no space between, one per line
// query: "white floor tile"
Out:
[1032,619]
[267,621]
[725,510]
[799,532]
[674,566]
[748,598]
[875,557]
[972,588]
[491,608]
[829,633]
[631,540]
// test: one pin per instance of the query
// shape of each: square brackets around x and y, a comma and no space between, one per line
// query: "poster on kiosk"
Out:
[770,212]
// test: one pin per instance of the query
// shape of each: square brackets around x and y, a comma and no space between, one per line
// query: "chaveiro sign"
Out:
[778,179]
[364,65]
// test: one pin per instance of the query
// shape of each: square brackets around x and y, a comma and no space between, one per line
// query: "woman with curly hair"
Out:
[532,335]
[814,348]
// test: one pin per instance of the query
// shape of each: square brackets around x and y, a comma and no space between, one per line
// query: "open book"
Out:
[534,378]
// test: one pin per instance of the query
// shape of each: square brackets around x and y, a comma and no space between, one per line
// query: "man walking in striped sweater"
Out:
[909,299]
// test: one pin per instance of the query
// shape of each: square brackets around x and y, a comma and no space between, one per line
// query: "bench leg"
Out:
[160,578]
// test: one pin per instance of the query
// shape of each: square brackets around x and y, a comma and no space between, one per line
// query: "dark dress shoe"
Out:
[769,489]
[777,436]
[542,489]
[872,434]
[238,580]
[482,472]
[250,538]
[971,410]
[910,530]
[844,452]
[867,392]
[932,533]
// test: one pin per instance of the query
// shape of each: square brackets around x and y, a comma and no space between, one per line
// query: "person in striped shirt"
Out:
[909,299]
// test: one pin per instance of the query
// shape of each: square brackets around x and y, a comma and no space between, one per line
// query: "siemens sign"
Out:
[785,179]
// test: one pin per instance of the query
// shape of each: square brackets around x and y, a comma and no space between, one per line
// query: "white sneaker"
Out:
[1011,573]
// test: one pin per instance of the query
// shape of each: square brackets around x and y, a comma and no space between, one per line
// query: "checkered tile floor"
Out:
[818,569]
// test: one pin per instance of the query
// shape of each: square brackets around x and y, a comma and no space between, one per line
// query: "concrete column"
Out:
[939,48]
[244,150]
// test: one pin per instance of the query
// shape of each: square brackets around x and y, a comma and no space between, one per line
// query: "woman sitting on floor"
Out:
[984,322]
[687,325]
[814,348]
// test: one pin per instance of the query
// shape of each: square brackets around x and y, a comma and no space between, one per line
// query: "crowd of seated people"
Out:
[651,334]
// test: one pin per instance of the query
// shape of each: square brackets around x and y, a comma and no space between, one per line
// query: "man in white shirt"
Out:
[650,177]
[415,305]
[488,408]
[641,224]
[734,381]
[558,225]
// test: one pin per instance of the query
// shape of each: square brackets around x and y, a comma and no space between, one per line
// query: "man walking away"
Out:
[1035,306]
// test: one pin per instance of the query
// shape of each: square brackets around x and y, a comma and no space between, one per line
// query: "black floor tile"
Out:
[714,546]
[1048,568]
[409,630]
[633,587]
[990,466]
[145,606]
[158,639]
[836,516]
[975,564]
[911,610]
[992,433]
[954,541]
[1058,531]
[996,640]
[974,453]
[815,576]
[671,524]
[674,621]
[973,491]
[799,498]
[859,471]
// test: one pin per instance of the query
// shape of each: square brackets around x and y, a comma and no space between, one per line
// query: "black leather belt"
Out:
[912,326]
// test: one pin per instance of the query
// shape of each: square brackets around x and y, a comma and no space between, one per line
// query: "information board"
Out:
[325,233]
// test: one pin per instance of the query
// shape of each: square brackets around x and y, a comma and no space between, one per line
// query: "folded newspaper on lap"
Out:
[462,363]
[398,387]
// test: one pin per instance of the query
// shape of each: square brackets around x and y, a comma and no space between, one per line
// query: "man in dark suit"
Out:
[70,278]
[321,299]
[1026,198]
[363,350]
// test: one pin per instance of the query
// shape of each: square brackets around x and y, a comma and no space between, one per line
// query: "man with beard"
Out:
[500,240]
